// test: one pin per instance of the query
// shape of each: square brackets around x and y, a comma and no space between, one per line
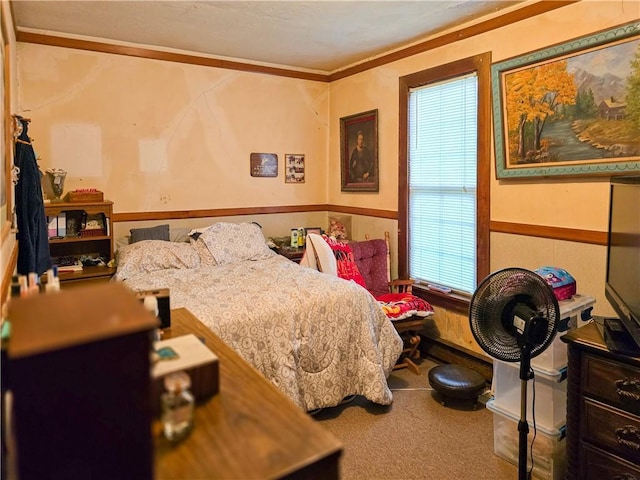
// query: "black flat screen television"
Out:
[622,287]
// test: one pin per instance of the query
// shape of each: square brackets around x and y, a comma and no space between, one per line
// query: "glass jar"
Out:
[177,406]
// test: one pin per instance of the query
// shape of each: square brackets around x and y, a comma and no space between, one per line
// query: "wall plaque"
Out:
[264,165]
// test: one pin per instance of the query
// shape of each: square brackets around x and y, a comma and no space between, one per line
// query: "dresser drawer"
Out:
[612,429]
[614,383]
[599,465]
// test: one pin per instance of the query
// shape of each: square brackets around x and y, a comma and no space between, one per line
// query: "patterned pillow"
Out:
[346,265]
[151,255]
[236,242]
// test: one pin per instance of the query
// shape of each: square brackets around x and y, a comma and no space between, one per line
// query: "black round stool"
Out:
[456,381]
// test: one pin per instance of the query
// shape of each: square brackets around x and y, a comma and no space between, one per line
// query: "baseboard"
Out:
[445,352]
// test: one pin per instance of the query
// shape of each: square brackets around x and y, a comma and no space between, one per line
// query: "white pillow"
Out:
[179,234]
[324,257]
[236,242]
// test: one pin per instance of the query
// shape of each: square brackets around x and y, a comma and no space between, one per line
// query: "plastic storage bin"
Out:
[574,312]
[549,446]
[550,394]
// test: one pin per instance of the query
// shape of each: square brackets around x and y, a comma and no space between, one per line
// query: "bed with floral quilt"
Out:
[317,337]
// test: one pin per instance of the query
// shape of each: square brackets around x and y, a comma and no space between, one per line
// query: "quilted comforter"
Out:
[317,337]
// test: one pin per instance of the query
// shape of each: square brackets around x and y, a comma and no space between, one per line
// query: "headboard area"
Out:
[273,225]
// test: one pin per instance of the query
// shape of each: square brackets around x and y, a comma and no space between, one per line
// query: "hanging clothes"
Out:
[33,241]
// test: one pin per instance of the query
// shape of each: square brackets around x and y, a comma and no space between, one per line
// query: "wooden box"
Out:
[80,197]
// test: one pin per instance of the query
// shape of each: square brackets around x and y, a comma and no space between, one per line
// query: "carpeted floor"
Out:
[416,437]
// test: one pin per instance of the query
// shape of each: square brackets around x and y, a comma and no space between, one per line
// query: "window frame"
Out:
[481,65]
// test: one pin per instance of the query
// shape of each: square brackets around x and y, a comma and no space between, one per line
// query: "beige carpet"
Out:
[416,437]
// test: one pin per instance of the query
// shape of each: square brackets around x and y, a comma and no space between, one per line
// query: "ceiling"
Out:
[321,36]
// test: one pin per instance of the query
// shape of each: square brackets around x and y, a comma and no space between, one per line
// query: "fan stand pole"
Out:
[523,425]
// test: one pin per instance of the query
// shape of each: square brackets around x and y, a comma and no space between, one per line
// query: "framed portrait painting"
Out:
[571,109]
[359,152]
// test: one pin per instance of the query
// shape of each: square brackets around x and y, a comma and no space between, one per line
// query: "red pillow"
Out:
[347,267]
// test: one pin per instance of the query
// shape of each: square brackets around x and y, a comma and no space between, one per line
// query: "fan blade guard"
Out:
[497,328]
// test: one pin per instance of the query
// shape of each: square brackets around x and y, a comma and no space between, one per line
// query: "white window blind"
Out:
[442,137]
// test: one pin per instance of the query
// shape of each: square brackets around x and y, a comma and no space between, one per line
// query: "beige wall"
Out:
[156,135]
[164,136]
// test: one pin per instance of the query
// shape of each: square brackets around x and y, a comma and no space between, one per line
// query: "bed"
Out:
[317,337]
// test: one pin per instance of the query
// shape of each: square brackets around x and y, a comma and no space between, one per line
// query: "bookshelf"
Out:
[81,229]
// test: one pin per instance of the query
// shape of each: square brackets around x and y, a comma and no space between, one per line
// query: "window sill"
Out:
[450,301]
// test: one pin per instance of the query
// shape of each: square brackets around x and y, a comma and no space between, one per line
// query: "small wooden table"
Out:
[250,429]
[293,254]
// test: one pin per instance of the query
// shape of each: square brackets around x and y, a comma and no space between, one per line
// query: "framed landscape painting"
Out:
[572,109]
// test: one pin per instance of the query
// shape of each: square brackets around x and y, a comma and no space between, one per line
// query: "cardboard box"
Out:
[194,358]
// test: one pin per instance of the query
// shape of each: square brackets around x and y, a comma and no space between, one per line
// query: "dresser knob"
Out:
[628,388]
[629,436]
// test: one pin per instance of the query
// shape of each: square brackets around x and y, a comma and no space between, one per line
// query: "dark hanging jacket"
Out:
[33,242]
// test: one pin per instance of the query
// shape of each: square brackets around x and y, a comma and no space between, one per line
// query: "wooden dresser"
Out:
[249,429]
[603,409]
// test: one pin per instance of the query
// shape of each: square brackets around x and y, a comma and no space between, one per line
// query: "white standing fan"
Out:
[514,317]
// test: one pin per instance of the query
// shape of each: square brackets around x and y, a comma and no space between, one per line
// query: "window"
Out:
[445,128]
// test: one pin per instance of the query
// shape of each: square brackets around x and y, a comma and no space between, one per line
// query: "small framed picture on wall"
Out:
[316,230]
[294,168]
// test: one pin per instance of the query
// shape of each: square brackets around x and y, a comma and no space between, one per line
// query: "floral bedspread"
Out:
[317,337]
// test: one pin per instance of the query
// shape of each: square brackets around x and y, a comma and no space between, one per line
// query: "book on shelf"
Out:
[67,264]
[70,268]
[57,226]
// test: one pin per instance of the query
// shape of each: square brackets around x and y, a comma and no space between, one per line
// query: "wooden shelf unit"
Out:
[76,246]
